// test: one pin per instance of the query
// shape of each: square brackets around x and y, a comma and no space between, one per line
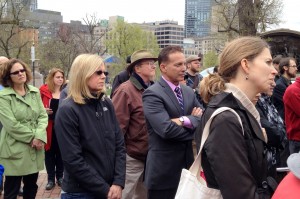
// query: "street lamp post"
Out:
[32,61]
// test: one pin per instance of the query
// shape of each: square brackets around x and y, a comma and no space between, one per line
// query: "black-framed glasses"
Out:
[18,71]
[294,66]
[100,72]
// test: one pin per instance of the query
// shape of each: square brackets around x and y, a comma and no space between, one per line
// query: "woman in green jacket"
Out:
[23,134]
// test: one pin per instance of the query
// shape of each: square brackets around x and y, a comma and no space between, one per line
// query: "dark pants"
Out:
[294,146]
[12,185]
[162,194]
[77,196]
[53,160]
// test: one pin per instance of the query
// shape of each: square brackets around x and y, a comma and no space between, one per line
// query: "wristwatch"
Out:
[181,119]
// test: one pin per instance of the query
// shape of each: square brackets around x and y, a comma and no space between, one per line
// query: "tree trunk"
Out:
[247,18]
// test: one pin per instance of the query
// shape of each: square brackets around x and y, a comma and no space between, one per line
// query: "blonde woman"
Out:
[50,93]
[23,134]
[234,160]
[88,135]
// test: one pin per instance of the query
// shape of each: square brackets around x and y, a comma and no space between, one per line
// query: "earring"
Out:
[247,77]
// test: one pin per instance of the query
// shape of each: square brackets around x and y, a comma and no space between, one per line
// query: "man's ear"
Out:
[286,68]
[163,67]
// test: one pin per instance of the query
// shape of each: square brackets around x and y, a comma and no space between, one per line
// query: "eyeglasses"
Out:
[294,66]
[99,72]
[150,64]
[18,71]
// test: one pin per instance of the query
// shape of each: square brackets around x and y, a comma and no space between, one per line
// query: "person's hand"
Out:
[177,121]
[115,192]
[197,111]
[49,111]
[38,144]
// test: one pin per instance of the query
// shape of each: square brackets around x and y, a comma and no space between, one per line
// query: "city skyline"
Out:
[147,11]
[132,10]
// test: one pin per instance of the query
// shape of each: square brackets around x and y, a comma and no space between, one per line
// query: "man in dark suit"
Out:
[172,114]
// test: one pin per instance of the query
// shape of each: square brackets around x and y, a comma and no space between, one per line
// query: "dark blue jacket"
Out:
[281,85]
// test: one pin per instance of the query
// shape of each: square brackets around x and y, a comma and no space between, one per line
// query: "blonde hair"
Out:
[230,60]
[50,77]
[83,67]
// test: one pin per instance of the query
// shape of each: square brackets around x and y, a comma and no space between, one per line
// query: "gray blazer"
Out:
[170,145]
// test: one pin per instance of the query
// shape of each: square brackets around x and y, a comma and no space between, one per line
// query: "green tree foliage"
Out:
[124,39]
[210,59]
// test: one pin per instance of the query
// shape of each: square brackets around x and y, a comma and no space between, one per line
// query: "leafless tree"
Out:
[12,28]
[91,35]
[247,17]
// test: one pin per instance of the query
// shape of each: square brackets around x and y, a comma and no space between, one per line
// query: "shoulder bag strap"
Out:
[196,166]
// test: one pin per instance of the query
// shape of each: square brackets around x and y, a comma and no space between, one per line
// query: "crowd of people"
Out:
[136,143]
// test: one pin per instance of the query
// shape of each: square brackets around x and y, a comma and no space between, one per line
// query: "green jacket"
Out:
[23,119]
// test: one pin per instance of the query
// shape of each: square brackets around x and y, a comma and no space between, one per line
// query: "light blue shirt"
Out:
[1,87]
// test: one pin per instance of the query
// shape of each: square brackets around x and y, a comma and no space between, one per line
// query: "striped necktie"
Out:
[179,97]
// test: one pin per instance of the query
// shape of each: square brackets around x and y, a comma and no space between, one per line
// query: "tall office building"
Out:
[197,18]
[167,32]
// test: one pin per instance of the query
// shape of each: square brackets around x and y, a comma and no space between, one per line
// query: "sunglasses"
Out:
[99,72]
[18,71]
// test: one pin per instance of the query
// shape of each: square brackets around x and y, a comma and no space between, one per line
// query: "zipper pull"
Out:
[97,114]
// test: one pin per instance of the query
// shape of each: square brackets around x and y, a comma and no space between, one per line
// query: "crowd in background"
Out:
[135,143]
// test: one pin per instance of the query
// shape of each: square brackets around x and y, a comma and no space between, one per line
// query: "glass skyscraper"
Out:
[197,18]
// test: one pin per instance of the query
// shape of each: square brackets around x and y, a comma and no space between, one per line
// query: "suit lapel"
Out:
[167,89]
[256,128]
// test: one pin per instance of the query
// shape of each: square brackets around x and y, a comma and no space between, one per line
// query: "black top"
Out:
[54,106]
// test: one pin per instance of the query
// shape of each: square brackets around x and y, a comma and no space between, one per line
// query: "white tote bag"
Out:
[191,184]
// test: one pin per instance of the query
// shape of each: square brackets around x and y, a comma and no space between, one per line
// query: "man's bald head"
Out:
[3,59]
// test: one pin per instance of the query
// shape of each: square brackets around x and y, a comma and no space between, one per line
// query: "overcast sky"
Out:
[146,10]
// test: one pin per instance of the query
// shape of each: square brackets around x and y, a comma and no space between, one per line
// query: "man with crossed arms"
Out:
[172,114]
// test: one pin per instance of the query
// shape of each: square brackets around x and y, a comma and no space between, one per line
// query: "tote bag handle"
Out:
[196,166]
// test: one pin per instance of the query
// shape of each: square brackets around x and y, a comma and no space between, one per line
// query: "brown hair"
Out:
[50,77]
[230,60]
[276,60]
[5,79]
[165,52]
[284,62]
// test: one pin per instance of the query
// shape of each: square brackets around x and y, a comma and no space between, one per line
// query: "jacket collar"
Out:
[45,91]
[99,97]
[138,82]
[238,94]
[10,90]
[226,99]
[286,81]
[171,94]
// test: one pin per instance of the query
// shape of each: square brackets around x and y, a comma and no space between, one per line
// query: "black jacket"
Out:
[92,146]
[120,78]
[232,162]
[281,85]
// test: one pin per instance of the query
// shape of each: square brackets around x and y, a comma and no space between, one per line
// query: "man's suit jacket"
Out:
[170,145]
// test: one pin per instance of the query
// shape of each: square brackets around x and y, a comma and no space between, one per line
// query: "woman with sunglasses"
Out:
[23,134]
[89,136]
[50,93]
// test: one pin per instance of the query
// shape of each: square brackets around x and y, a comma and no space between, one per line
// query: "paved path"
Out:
[42,193]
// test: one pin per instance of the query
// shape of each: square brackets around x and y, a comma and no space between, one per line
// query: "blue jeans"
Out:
[294,146]
[77,196]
